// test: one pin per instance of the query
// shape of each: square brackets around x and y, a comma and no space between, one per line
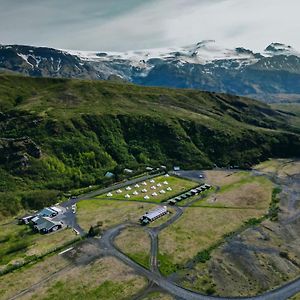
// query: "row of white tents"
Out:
[145,189]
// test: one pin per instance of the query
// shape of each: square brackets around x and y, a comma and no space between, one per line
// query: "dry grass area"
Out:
[250,192]
[220,177]
[263,256]
[105,278]
[178,186]
[200,228]
[81,273]
[13,283]
[135,242]
[111,213]
[44,243]
[296,297]
[281,167]
[18,242]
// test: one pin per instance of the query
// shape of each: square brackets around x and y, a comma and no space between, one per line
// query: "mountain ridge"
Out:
[60,134]
[270,76]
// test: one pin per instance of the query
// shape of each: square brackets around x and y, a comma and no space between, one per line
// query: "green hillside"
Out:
[59,134]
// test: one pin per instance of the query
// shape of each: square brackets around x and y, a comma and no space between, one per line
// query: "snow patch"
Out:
[25,57]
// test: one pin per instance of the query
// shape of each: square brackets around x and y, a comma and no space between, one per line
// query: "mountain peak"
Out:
[205,42]
[281,49]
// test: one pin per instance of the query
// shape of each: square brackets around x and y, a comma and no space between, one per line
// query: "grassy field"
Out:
[18,243]
[109,212]
[178,185]
[105,278]
[135,242]
[240,190]
[224,177]
[261,257]
[15,282]
[198,229]
[239,198]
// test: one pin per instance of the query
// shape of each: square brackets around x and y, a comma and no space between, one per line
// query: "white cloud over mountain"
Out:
[136,24]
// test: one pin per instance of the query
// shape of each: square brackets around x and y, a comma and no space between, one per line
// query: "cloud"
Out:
[135,24]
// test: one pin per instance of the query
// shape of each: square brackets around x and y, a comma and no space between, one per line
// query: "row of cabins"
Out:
[43,221]
[189,194]
[153,215]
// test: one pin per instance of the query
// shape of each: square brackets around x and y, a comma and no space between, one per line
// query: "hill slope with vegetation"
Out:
[59,134]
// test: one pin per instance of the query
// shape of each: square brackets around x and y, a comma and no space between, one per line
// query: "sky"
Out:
[120,25]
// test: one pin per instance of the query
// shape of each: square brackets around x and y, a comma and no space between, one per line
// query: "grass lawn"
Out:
[198,229]
[19,243]
[178,186]
[111,213]
[135,242]
[105,278]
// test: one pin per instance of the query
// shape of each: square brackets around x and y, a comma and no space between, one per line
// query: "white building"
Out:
[153,215]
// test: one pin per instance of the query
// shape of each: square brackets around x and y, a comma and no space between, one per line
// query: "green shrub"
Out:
[203,256]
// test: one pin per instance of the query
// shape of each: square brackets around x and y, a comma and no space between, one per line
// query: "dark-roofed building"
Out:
[48,212]
[25,219]
[45,225]
[172,202]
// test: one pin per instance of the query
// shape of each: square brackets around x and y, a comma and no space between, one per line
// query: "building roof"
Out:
[45,224]
[38,220]
[57,209]
[46,212]
[109,174]
[26,216]
[155,212]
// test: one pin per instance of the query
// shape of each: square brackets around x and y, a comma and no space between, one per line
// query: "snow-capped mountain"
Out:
[272,75]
